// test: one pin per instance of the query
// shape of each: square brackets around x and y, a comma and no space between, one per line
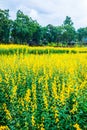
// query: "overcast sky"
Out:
[49,11]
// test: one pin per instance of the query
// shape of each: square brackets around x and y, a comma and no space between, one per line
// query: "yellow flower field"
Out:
[43,92]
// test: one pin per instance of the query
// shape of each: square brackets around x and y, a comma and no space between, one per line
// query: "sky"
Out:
[49,11]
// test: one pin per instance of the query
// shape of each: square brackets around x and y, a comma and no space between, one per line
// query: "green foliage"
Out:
[82,35]
[7,50]
[25,30]
[5,25]
[68,21]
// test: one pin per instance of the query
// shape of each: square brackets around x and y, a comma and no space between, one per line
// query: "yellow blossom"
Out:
[77,126]
[4,128]
[8,114]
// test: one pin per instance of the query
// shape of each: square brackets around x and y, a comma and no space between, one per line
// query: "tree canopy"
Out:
[25,30]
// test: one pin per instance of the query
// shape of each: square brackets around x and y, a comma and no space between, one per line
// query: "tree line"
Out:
[25,30]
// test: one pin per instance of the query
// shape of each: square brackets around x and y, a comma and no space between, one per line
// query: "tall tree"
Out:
[23,28]
[49,34]
[60,31]
[68,21]
[69,32]
[82,33]
[37,35]
[5,25]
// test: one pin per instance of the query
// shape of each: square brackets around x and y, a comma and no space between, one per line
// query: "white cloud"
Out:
[34,14]
[50,11]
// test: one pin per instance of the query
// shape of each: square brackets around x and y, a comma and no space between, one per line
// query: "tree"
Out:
[82,35]
[5,25]
[49,34]
[68,21]
[69,32]
[37,35]
[23,28]
[20,28]
[60,32]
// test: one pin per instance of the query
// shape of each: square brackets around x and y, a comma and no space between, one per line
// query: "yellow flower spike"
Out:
[34,104]
[8,114]
[4,128]
[27,96]
[74,109]
[33,120]
[45,101]
[77,127]
[54,90]
[0,78]
[42,128]
[14,94]
[56,116]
